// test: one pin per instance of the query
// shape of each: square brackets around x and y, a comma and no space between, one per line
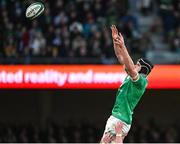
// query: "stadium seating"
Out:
[79,31]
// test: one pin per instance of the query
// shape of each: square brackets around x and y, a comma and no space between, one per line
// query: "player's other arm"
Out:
[122,53]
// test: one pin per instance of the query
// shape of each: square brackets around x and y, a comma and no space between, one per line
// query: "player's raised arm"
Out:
[122,53]
[117,52]
[119,123]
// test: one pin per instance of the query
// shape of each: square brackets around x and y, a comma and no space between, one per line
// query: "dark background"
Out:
[94,105]
[76,108]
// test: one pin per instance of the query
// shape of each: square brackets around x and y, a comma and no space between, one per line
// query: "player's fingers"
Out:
[116,31]
[122,38]
[107,137]
[110,136]
[112,29]
[117,43]
[120,35]
[118,38]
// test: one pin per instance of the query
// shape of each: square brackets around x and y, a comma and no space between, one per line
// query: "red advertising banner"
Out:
[81,77]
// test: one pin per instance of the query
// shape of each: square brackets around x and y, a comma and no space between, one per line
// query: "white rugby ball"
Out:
[35,10]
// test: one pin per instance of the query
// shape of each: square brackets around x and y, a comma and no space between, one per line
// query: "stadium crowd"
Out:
[81,29]
[85,132]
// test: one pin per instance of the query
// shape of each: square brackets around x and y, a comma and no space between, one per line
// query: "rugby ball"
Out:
[35,10]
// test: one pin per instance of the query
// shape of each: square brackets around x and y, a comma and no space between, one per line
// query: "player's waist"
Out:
[125,119]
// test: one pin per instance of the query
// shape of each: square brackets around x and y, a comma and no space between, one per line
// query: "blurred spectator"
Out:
[148,132]
[81,29]
[175,40]
[176,5]
[166,13]
[145,6]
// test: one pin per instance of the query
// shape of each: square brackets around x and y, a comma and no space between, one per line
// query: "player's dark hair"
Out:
[146,66]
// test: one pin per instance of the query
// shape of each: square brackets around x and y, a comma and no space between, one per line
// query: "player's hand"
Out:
[107,138]
[114,32]
[117,37]
[118,128]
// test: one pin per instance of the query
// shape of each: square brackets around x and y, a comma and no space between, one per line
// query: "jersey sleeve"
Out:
[140,82]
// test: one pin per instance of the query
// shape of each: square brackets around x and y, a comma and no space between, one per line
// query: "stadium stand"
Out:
[84,133]
[78,31]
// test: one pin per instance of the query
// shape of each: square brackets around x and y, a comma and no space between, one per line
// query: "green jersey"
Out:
[127,97]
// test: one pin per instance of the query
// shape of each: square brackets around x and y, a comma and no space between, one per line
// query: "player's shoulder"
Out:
[140,83]
[141,77]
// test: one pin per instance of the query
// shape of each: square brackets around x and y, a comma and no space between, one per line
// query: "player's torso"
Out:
[127,97]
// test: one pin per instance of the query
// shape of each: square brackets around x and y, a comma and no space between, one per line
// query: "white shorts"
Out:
[110,126]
